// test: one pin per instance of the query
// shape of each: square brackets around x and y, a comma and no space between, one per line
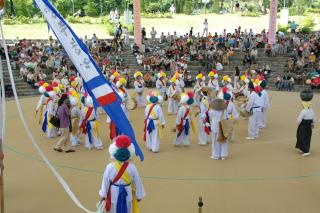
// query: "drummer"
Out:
[173,95]
[180,81]
[213,82]
[198,86]
[139,87]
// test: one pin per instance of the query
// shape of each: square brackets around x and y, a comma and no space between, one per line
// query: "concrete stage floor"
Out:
[267,175]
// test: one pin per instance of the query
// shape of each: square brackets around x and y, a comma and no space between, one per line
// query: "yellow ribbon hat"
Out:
[138,73]
[200,76]
[121,82]
[173,80]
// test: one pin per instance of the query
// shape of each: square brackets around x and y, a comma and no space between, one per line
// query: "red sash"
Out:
[122,90]
[207,120]
[145,122]
[83,124]
[119,175]
[180,126]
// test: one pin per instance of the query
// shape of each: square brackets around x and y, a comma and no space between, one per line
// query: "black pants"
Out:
[304,133]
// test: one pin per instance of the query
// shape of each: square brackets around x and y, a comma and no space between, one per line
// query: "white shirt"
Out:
[108,176]
[213,84]
[306,114]
[265,99]
[157,112]
[254,103]
[139,86]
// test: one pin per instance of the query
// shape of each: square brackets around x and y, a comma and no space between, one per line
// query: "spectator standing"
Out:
[205,28]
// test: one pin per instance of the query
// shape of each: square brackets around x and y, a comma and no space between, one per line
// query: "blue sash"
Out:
[122,199]
[186,128]
[45,122]
[150,126]
[88,129]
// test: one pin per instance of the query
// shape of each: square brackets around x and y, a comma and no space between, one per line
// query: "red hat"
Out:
[123,141]
[40,83]
[55,84]
[72,78]
[49,88]
[257,89]
[224,89]
[190,94]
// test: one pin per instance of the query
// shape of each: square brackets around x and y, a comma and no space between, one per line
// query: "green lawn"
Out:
[179,23]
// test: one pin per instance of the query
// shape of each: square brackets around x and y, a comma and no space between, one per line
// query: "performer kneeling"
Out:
[183,121]
[121,187]
[154,122]
[305,121]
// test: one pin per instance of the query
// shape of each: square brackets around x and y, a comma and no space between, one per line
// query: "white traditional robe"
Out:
[219,149]
[183,138]
[139,87]
[172,103]
[51,111]
[75,121]
[161,87]
[157,117]
[203,136]
[232,113]
[41,108]
[254,105]
[196,90]
[108,176]
[265,107]
[94,132]
[214,86]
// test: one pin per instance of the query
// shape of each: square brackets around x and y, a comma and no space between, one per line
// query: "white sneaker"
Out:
[306,154]
[223,158]
[250,138]
[214,158]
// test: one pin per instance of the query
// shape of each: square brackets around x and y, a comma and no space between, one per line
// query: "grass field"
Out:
[179,23]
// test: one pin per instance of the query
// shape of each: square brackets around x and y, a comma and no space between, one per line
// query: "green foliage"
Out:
[110,28]
[251,14]
[22,20]
[313,10]
[308,22]
[156,15]
[284,28]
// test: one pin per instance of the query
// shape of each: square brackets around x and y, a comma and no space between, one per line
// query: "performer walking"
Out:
[254,107]
[139,87]
[121,187]
[64,117]
[183,121]
[51,111]
[154,122]
[219,143]
[203,119]
[306,120]
[89,125]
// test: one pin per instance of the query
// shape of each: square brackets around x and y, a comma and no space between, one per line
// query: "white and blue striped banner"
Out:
[97,85]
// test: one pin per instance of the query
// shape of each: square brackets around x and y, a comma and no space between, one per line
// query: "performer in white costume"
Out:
[161,84]
[183,121]
[218,113]
[154,122]
[139,87]
[51,111]
[254,107]
[121,187]
[42,104]
[200,83]
[173,91]
[226,81]
[213,82]
[265,105]
[90,125]
[75,119]
[203,120]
